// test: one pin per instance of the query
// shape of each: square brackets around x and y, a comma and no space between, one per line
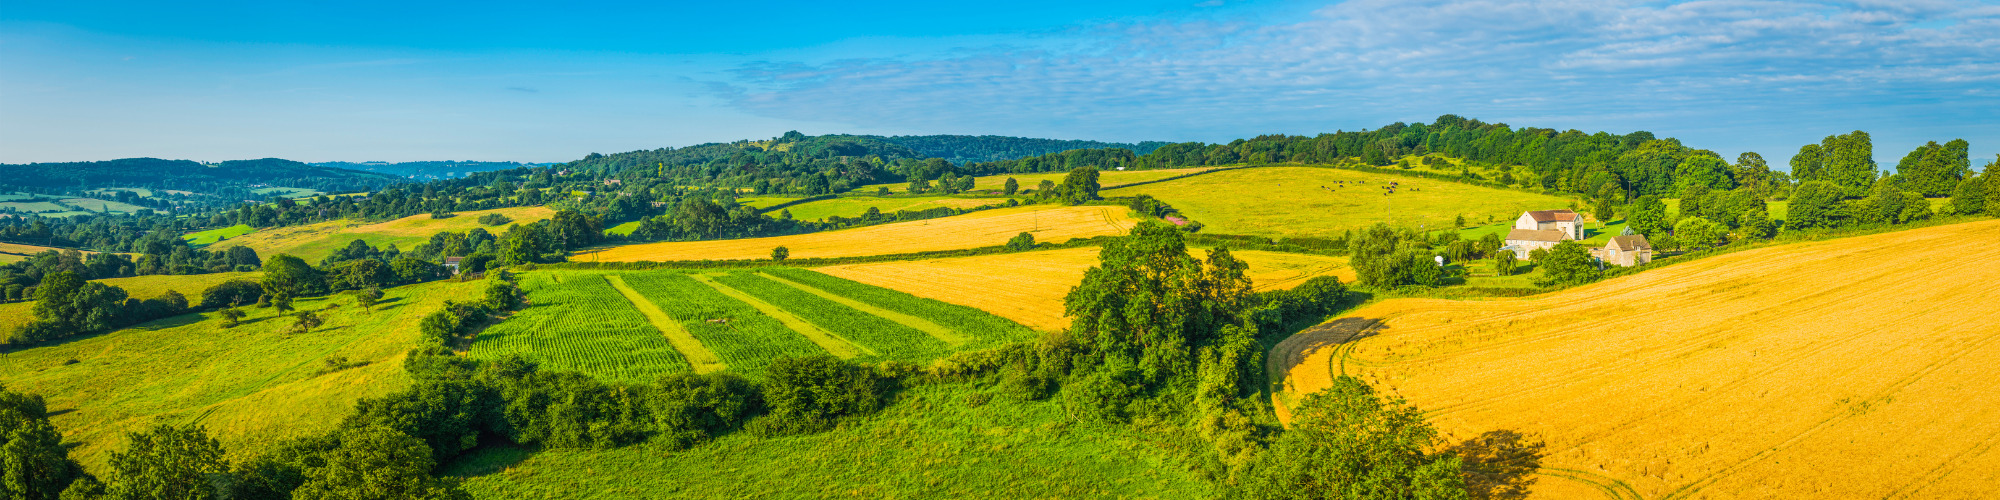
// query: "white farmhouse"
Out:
[1566,221]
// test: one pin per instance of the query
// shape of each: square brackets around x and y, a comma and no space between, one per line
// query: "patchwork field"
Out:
[1028,287]
[313,242]
[97,205]
[1105,178]
[1850,368]
[250,385]
[1290,201]
[212,236]
[1053,224]
[15,252]
[636,326]
[936,441]
[856,206]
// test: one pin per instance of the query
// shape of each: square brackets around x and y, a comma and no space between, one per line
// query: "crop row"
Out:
[578,322]
[985,328]
[892,340]
[744,338]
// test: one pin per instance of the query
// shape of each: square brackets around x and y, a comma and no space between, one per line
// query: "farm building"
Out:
[1528,240]
[1567,222]
[451,263]
[1626,251]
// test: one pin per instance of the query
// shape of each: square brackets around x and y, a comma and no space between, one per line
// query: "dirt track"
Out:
[1851,368]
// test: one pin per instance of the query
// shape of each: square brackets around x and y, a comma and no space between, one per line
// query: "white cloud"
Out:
[1367,62]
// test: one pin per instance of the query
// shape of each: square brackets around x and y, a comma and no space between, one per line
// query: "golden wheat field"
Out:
[978,229]
[313,242]
[1852,368]
[1028,287]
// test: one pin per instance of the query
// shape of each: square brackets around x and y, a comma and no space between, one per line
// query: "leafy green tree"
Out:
[290,276]
[307,320]
[1970,196]
[282,302]
[1706,170]
[1569,263]
[1699,232]
[1504,263]
[780,253]
[1815,205]
[66,304]
[1045,189]
[377,463]
[1808,163]
[1602,210]
[688,408]
[1647,216]
[366,298]
[1021,242]
[1011,187]
[503,296]
[1079,186]
[1755,223]
[231,316]
[168,462]
[232,293]
[34,464]
[1345,442]
[1850,162]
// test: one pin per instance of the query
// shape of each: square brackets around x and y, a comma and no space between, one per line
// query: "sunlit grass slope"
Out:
[313,242]
[1313,202]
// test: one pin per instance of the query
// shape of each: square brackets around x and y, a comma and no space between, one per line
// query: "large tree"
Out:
[377,463]
[168,462]
[1345,442]
[285,274]
[1815,205]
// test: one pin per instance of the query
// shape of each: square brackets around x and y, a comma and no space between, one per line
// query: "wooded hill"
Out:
[428,169]
[186,175]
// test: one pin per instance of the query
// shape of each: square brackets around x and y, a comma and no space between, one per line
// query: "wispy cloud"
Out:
[1372,61]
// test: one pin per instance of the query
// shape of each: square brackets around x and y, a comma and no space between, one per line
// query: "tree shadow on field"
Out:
[1499,464]
[1293,350]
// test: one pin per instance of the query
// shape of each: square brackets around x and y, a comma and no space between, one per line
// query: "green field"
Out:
[623,229]
[766,201]
[287,192]
[1106,178]
[313,242]
[250,385]
[34,205]
[102,206]
[740,319]
[1290,201]
[936,441]
[211,236]
[856,206]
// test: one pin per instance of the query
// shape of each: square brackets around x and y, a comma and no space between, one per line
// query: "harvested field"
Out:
[857,206]
[1028,287]
[313,242]
[973,230]
[1290,201]
[1850,368]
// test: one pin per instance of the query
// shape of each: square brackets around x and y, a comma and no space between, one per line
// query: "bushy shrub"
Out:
[811,394]
[687,409]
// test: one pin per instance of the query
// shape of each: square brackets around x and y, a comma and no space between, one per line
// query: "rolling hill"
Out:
[1847,368]
[1325,202]
[313,242]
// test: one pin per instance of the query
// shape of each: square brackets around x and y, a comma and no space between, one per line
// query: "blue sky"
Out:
[398,81]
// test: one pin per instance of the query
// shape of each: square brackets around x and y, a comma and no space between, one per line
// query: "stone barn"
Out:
[1627,251]
[1528,240]
[1565,221]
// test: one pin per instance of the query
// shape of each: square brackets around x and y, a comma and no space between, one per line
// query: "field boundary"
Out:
[698,356]
[938,331]
[831,342]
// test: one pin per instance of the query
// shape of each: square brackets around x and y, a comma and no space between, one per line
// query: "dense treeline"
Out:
[965,149]
[18,280]
[67,305]
[429,169]
[224,182]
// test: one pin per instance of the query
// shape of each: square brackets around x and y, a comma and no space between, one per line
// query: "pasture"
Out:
[1028,287]
[1845,368]
[102,206]
[936,441]
[1105,178]
[15,252]
[251,385]
[637,325]
[984,228]
[1315,202]
[313,242]
[856,206]
[211,236]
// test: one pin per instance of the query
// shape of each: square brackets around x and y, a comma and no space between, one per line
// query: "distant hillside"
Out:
[429,169]
[186,175]
[989,148]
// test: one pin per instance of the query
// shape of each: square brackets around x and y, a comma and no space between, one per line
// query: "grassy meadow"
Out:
[313,242]
[1817,369]
[855,206]
[978,229]
[1315,202]
[15,252]
[138,287]
[637,325]
[1028,287]
[935,441]
[250,385]
[212,236]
